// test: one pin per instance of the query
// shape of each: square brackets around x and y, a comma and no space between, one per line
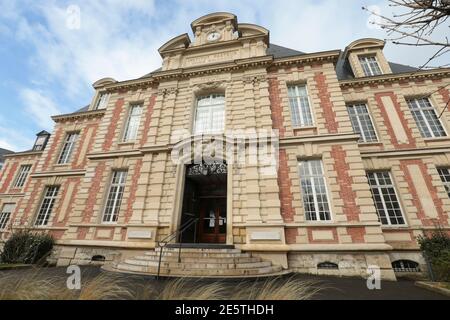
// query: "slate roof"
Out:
[4,152]
[343,70]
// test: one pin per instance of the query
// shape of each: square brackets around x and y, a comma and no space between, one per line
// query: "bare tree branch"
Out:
[416,23]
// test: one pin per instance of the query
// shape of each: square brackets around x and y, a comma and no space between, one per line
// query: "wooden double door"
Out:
[213,220]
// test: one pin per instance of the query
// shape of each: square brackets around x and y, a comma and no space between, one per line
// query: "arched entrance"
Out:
[205,199]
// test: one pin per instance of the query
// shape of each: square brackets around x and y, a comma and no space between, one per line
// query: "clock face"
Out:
[213,36]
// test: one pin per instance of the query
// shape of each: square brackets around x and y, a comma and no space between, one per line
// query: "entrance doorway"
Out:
[205,199]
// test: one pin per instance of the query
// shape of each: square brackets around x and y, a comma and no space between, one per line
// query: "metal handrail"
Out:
[179,232]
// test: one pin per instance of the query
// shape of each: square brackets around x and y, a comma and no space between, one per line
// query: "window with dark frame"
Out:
[444,173]
[22,176]
[385,198]
[5,215]
[426,118]
[48,202]
[362,122]
[68,147]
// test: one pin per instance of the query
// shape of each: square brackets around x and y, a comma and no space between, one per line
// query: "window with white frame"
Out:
[314,191]
[132,127]
[370,66]
[115,195]
[210,114]
[102,101]
[5,215]
[362,122]
[22,176]
[48,202]
[68,147]
[385,198]
[300,108]
[426,118]
[444,173]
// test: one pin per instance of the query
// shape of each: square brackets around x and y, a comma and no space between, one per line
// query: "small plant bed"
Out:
[26,247]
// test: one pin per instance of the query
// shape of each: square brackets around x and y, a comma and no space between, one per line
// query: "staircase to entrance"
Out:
[212,261]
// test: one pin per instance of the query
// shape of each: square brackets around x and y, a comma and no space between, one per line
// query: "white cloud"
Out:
[39,108]
[14,136]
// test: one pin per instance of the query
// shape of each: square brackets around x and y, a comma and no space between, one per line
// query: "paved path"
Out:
[335,288]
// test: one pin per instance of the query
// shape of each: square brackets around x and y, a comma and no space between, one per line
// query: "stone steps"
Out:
[268,271]
[185,259]
[197,262]
[197,265]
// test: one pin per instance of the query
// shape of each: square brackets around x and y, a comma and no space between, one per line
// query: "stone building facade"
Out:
[362,157]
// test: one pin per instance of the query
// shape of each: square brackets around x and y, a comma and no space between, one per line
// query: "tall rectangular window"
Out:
[115,195]
[444,173]
[47,205]
[134,119]
[22,176]
[300,108]
[370,66]
[362,122]
[314,191]
[426,118]
[210,114]
[67,150]
[5,215]
[385,198]
[102,101]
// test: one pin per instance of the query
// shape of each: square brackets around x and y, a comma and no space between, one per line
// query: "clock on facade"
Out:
[213,36]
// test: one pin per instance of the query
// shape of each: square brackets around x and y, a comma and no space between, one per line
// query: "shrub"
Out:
[26,247]
[436,248]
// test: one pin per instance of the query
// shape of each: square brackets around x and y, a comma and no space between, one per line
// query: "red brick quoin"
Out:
[325,102]
[351,210]
[134,186]
[113,125]
[276,107]
[284,183]
[94,192]
[9,177]
[148,118]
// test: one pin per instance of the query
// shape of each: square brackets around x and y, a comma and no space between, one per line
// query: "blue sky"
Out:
[48,64]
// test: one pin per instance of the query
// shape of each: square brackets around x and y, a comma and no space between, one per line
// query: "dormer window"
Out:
[41,141]
[102,101]
[370,66]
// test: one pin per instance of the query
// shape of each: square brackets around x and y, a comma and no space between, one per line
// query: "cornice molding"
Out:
[406,153]
[23,153]
[236,65]
[67,173]
[391,78]
[79,115]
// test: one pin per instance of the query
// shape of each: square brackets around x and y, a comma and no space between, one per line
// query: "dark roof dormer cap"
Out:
[103,82]
[43,133]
